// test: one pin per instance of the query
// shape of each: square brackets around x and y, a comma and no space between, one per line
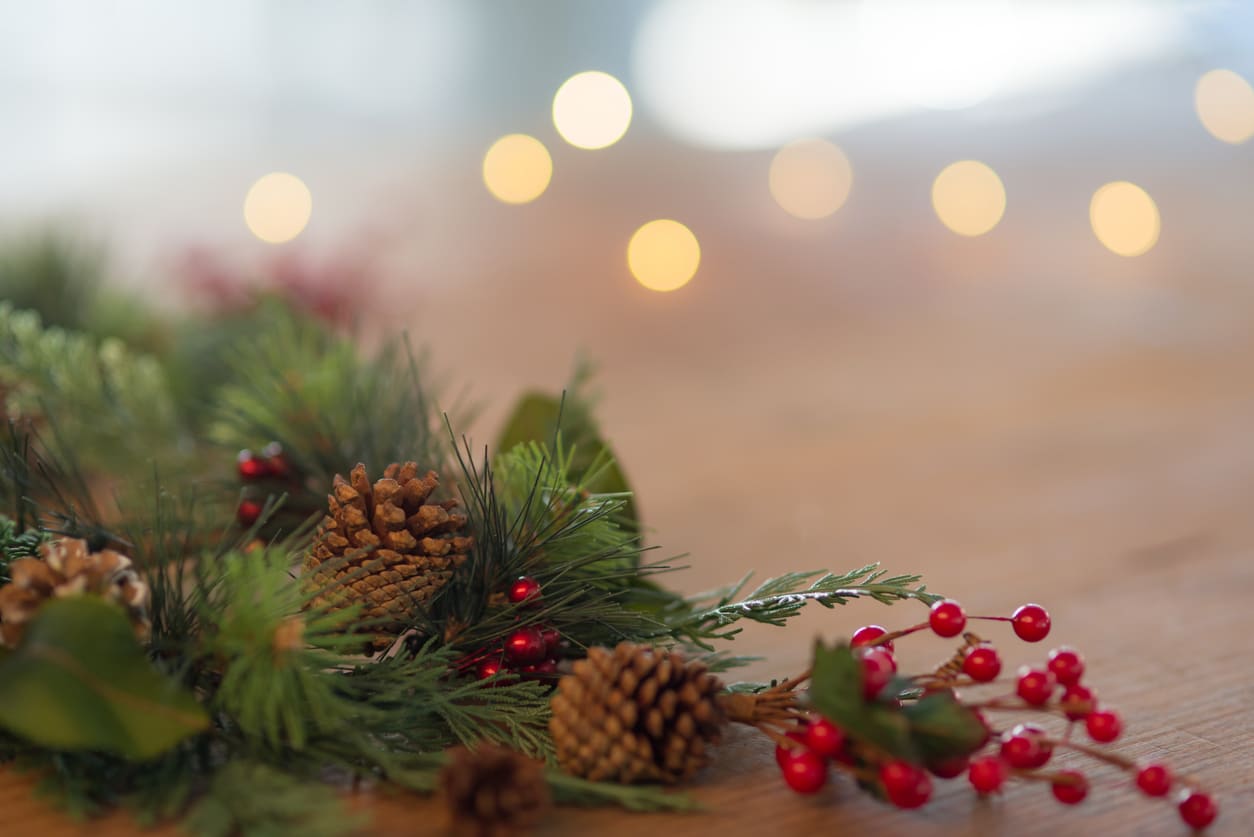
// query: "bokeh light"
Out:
[592,110]
[810,178]
[277,207]
[1125,219]
[1225,104]
[517,169]
[968,197]
[663,255]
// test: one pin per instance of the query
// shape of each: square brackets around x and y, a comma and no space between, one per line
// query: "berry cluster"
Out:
[1022,752]
[531,651]
[252,468]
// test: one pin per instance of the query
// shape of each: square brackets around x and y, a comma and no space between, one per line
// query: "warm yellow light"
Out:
[663,255]
[1225,104]
[1124,218]
[592,110]
[968,197]
[810,178]
[517,169]
[277,207]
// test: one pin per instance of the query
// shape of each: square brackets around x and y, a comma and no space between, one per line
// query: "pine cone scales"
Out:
[493,791]
[67,567]
[635,714]
[387,545]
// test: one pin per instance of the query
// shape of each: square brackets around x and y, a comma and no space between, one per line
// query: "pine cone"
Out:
[635,714]
[389,547]
[493,791]
[66,567]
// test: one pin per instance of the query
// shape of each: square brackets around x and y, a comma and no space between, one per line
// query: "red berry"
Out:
[1078,701]
[905,785]
[525,645]
[524,589]
[1070,787]
[488,668]
[947,618]
[824,738]
[276,462]
[877,669]
[1026,747]
[782,752]
[251,467]
[867,634]
[1066,664]
[1154,780]
[1198,810]
[541,670]
[949,768]
[1103,726]
[988,774]
[1031,622]
[248,512]
[552,642]
[982,663]
[1035,685]
[804,771]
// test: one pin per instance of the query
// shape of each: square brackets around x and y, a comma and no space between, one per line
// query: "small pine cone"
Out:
[66,567]
[635,714]
[387,547]
[492,791]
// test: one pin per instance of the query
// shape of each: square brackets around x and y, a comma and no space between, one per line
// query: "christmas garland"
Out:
[369,598]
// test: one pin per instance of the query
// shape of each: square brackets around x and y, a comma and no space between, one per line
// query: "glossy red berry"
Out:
[982,663]
[248,512]
[1103,726]
[276,462]
[988,774]
[1070,787]
[524,589]
[804,771]
[1035,685]
[1026,747]
[525,646]
[543,670]
[488,668]
[1031,622]
[250,466]
[949,768]
[1067,665]
[1198,810]
[1154,780]
[947,618]
[824,738]
[905,785]
[782,752]
[552,642]
[1078,701]
[868,634]
[877,669]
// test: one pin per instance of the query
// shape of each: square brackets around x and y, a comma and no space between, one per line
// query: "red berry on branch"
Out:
[248,512]
[1031,622]
[251,467]
[1078,701]
[524,646]
[1070,787]
[947,618]
[1035,685]
[878,667]
[949,768]
[1198,810]
[804,771]
[541,670]
[552,642]
[1025,747]
[982,663]
[276,463]
[1067,665]
[1103,726]
[488,668]
[524,589]
[782,752]
[824,738]
[868,634]
[988,774]
[1154,780]
[905,785]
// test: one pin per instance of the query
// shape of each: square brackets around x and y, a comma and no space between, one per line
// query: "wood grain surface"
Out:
[1004,445]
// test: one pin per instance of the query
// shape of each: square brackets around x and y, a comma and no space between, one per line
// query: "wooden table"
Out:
[1106,473]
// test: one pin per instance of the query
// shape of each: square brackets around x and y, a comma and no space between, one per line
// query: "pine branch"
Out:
[568,790]
[257,800]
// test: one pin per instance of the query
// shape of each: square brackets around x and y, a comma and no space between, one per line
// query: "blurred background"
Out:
[951,285]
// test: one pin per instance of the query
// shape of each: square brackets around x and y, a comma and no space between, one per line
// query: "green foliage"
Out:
[79,680]
[253,799]
[56,277]
[15,544]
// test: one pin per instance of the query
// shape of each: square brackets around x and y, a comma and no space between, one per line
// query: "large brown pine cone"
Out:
[66,567]
[385,546]
[491,791]
[635,714]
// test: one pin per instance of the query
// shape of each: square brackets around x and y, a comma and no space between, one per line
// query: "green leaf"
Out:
[836,692]
[80,681]
[942,728]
